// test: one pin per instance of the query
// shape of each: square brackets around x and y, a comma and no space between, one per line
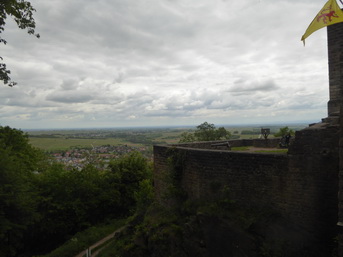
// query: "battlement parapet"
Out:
[301,185]
[266,143]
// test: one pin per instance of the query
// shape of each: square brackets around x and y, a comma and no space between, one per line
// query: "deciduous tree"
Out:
[18,162]
[284,131]
[129,173]
[186,137]
[205,132]
[22,13]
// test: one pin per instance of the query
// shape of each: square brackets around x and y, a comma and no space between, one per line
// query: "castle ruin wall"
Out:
[302,185]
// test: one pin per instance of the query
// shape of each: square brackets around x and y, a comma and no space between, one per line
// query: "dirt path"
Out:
[102,241]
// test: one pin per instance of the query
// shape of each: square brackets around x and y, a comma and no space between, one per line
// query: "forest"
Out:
[43,204]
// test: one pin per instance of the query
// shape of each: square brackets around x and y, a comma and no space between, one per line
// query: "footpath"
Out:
[88,252]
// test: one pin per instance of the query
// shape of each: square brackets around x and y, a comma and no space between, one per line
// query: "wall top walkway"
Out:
[222,144]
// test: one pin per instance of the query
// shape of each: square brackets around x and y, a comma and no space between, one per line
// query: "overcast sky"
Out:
[113,63]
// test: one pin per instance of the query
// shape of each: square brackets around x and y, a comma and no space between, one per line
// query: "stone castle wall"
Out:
[253,179]
[335,55]
[335,106]
[270,143]
[302,186]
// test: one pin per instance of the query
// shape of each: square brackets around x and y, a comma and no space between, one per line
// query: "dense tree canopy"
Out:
[44,203]
[205,132]
[22,13]
[18,162]
[129,174]
[284,131]
[70,201]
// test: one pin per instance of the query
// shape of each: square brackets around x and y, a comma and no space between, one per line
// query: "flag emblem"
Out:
[328,15]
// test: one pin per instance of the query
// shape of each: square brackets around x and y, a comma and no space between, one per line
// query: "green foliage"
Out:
[176,162]
[247,148]
[18,163]
[222,133]
[15,144]
[76,199]
[145,195]
[186,137]
[82,240]
[158,226]
[22,13]
[277,151]
[43,204]
[284,131]
[163,231]
[208,132]
[72,200]
[128,173]
[205,132]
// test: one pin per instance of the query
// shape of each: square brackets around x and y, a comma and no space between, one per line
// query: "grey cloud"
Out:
[20,97]
[119,77]
[242,86]
[69,84]
[168,113]
[71,97]
[304,103]
[110,61]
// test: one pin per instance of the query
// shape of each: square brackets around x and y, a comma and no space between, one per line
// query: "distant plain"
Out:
[62,140]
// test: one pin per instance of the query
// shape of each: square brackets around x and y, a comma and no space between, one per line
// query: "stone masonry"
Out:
[335,55]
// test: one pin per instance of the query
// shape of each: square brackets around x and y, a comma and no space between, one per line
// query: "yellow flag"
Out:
[328,15]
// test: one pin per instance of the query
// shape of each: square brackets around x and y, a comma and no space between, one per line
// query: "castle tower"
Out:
[335,55]
[335,104]
[335,108]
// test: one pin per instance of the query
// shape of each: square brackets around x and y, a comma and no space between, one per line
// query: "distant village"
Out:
[99,156]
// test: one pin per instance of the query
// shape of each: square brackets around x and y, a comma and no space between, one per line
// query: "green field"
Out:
[47,142]
[57,144]
[57,140]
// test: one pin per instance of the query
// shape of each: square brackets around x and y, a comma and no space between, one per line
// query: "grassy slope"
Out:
[82,240]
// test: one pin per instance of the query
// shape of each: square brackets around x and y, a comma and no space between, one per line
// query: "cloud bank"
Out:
[111,63]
